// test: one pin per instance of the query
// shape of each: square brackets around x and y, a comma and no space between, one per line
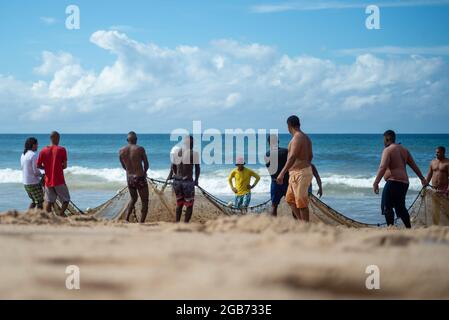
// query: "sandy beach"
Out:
[249,257]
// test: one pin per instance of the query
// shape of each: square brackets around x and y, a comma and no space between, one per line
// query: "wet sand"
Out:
[250,257]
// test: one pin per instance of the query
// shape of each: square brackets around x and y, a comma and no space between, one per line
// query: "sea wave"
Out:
[213,181]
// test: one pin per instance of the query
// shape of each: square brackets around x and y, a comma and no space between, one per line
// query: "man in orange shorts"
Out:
[299,167]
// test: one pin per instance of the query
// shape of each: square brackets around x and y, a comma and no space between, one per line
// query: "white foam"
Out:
[214,181]
[10,176]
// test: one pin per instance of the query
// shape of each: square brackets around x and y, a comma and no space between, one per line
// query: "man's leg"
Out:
[48,207]
[50,198]
[132,202]
[188,188]
[178,213]
[304,212]
[291,199]
[302,192]
[274,210]
[238,202]
[246,200]
[64,206]
[296,212]
[144,198]
[386,204]
[189,212]
[401,210]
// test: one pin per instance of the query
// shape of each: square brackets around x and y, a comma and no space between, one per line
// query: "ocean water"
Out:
[347,165]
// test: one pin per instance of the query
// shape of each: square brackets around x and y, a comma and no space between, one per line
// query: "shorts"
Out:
[242,202]
[277,192]
[61,192]
[298,187]
[185,192]
[137,182]
[35,192]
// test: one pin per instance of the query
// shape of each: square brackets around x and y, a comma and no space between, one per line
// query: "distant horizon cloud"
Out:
[317,5]
[395,50]
[48,20]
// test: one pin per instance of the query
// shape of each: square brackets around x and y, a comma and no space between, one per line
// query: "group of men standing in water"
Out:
[291,176]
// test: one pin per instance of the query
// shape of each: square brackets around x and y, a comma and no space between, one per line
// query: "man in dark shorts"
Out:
[53,160]
[393,168]
[181,171]
[134,160]
[275,160]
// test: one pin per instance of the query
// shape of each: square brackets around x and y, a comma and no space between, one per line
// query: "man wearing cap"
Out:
[242,188]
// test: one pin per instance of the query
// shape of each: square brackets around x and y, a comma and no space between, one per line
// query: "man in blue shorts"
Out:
[275,160]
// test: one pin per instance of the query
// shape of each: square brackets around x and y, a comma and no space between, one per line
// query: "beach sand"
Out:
[249,257]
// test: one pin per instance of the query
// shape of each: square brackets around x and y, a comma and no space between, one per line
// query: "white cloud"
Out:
[315,5]
[48,20]
[155,88]
[232,99]
[52,62]
[392,50]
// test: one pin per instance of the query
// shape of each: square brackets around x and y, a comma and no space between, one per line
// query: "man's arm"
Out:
[447,191]
[40,163]
[36,171]
[146,164]
[64,160]
[291,158]
[231,176]
[197,173]
[257,177]
[430,173]
[172,171]
[318,180]
[384,164]
[411,162]
[169,177]
[121,160]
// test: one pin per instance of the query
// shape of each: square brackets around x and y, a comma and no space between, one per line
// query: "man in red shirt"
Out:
[53,160]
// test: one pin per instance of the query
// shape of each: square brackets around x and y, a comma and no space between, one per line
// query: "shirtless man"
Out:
[181,171]
[393,169]
[439,172]
[299,167]
[439,175]
[134,160]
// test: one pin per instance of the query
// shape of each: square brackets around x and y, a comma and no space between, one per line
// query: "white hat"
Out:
[240,160]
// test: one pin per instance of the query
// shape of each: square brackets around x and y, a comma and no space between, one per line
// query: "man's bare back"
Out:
[134,160]
[301,145]
[440,174]
[189,161]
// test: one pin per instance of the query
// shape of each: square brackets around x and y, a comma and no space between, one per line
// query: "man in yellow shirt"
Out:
[242,189]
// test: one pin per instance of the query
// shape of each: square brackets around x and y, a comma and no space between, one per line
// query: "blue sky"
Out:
[153,66]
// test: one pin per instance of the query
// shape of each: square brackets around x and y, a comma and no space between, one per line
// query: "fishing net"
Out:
[429,208]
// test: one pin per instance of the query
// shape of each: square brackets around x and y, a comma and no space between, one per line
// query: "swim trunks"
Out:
[61,192]
[184,191]
[35,193]
[298,187]
[278,191]
[242,202]
[137,182]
